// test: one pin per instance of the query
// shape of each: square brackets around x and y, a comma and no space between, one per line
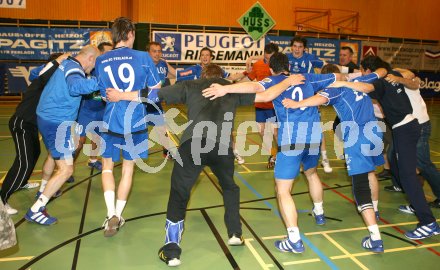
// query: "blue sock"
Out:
[173,232]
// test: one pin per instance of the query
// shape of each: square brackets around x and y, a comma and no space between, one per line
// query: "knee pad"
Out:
[362,191]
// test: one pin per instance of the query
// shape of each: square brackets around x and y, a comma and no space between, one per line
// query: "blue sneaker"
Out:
[407,209]
[56,195]
[41,217]
[97,165]
[377,215]
[319,219]
[371,245]
[288,246]
[70,180]
[422,232]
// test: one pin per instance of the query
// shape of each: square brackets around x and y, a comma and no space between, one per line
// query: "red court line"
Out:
[383,220]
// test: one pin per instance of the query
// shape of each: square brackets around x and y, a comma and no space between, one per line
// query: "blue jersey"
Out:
[92,103]
[298,125]
[351,105]
[194,73]
[162,70]
[61,96]
[35,73]
[304,64]
[127,70]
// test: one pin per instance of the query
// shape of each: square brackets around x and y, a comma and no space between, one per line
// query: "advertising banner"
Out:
[227,48]
[410,56]
[18,76]
[430,85]
[326,49]
[39,43]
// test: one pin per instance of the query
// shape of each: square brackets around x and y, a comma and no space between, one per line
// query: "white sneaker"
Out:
[235,240]
[326,165]
[10,210]
[238,158]
[31,185]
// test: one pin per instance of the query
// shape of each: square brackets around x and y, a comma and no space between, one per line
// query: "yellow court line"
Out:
[271,171]
[246,168]
[32,171]
[301,262]
[432,151]
[172,138]
[17,259]
[343,250]
[257,256]
[342,230]
[391,250]
[6,136]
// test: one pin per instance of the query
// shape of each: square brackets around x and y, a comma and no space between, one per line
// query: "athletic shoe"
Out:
[238,158]
[10,210]
[172,260]
[376,213]
[385,174]
[96,165]
[371,245]
[40,217]
[393,188]
[31,185]
[235,240]
[287,246]
[435,204]
[422,232]
[71,179]
[326,165]
[319,219]
[111,225]
[271,162]
[56,195]
[407,209]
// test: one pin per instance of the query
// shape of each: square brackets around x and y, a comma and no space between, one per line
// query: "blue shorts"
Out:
[85,117]
[155,115]
[364,154]
[61,145]
[265,115]
[133,146]
[288,163]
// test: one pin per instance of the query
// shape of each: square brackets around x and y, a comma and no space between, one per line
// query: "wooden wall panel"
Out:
[389,18]
[416,19]
[76,10]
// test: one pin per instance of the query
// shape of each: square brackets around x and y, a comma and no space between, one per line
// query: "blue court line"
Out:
[277,213]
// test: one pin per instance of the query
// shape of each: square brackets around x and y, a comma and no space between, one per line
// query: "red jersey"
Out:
[260,70]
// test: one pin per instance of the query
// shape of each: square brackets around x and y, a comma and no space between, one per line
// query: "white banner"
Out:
[411,56]
[12,3]
[227,48]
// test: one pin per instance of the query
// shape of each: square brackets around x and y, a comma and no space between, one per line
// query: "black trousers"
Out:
[27,148]
[403,165]
[184,177]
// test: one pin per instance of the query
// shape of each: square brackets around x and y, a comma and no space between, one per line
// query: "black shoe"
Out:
[385,174]
[170,254]
[393,188]
[435,204]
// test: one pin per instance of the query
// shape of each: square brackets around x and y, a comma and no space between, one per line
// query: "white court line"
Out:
[28,258]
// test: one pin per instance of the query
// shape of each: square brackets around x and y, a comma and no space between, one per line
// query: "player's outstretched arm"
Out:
[274,91]
[408,83]
[216,90]
[358,86]
[313,101]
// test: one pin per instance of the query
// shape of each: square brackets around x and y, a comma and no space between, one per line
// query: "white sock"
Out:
[43,185]
[93,160]
[375,206]
[374,232]
[120,205]
[109,197]
[293,234]
[41,201]
[324,154]
[318,209]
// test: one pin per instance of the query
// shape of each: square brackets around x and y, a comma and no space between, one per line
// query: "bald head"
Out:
[87,57]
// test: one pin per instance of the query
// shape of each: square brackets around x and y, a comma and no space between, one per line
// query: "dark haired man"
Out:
[128,71]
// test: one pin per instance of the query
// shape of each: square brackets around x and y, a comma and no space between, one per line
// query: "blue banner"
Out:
[430,85]
[18,76]
[39,43]
[326,49]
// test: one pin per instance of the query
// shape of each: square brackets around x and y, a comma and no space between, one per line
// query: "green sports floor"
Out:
[77,241]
